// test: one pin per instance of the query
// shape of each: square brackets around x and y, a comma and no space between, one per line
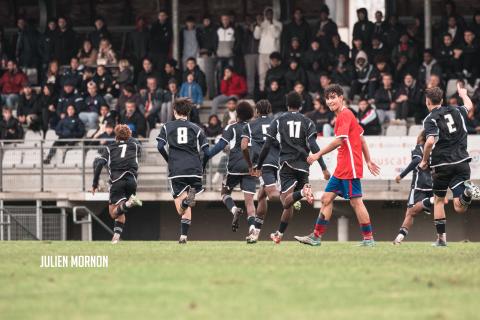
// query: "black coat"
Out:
[278,74]
[11,124]
[383,98]
[207,39]
[292,76]
[139,41]
[277,100]
[136,122]
[160,37]
[27,49]
[301,31]
[27,106]
[65,46]
[70,128]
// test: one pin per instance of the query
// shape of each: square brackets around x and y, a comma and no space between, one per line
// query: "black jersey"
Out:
[294,130]
[447,125]
[183,141]
[421,179]
[256,131]
[232,134]
[121,158]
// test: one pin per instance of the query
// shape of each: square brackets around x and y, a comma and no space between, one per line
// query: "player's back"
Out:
[232,134]
[294,130]
[123,158]
[184,141]
[448,124]
[256,131]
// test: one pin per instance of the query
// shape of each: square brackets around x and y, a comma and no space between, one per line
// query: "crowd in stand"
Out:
[85,83]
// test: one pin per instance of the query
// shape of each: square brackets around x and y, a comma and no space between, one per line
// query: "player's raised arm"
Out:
[462,92]
[372,166]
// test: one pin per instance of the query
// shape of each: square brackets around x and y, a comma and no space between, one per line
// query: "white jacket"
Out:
[269,36]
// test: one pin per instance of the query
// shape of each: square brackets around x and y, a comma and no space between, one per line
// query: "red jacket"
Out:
[13,83]
[235,86]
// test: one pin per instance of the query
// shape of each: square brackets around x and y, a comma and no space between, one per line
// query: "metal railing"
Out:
[88,221]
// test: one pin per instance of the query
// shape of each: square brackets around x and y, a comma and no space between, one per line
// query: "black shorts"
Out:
[247,182]
[450,176]
[269,176]
[122,189]
[416,196]
[291,178]
[182,184]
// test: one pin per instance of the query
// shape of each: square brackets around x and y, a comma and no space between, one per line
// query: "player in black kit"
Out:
[121,158]
[446,153]
[237,168]
[420,198]
[253,138]
[297,136]
[180,143]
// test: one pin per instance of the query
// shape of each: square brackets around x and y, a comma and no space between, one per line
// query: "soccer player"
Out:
[121,158]
[346,178]
[297,136]
[445,130]
[421,195]
[184,141]
[237,168]
[253,138]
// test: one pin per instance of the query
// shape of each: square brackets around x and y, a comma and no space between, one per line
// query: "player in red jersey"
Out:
[345,181]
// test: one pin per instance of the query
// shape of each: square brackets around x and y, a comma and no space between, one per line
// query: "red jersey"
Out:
[349,159]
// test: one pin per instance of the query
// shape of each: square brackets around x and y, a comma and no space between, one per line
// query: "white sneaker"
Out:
[134,201]
[116,238]
[183,239]
[253,236]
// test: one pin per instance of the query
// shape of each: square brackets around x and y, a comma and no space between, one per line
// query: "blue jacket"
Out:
[70,128]
[192,91]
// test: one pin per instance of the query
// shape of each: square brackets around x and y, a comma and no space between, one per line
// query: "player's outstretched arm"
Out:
[462,92]
[427,150]
[412,165]
[372,166]
[98,164]
[337,142]
[219,146]
[161,149]
[206,156]
[312,143]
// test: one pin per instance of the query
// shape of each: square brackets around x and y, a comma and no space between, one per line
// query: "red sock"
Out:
[320,227]
[366,231]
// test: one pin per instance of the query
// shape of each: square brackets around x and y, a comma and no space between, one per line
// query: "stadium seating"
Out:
[90,157]
[31,159]
[396,130]
[32,138]
[73,159]
[11,158]
[414,130]
[90,133]
[152,139]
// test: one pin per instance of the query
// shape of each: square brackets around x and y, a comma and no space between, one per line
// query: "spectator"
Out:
[294,74]
[473,122]
[451,11]
[237,44]
[47,105]
[65,44]
[384,99]
[47,44]
[87,55]
[429,66]
[73,74]
[10,128]
[93,101]
[378,49]
[404,66]
[198,75]
[12,82]
[435,81]
[410,100]
[52,75]
[294,51]
[416,32]
[152,102]
[250,48]
[321,116]
[359,45]
[103,79]
[230,115]
[338,47]
[325,28]
[166,111]
[454,30]
[368,119]
[105,134]
[470,53]
[134,120]
[381,67]
[361,75]
[70,127]
[226,41]
[297,28]
[106,55]
[27,113]
[28,41]
[139,41]
[170,72]
[313,79]
[160,39]
[404,47]
[214,127]
[276,72]
[125,75]
[69,98]
[307,103]
[325,81]
[207,42]
[107,116]
[276,97]
[445,58]
[192,90]
[232,85]
[475,26]
[101,32]
[268,31]
[4,48]
[188,41]
[393,31]
[363,28]
[128,93]
[379,26]
[147,71]
[316,54]
[343,73]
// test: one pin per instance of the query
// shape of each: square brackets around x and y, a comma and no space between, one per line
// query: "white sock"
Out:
[400,237]
[301,192]
[234,208]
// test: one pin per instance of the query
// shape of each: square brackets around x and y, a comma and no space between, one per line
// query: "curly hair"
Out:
[244,111]
[122,132]
[333,89]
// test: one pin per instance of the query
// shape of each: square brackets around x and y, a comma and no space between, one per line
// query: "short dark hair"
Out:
[183,106]
[294,100]
[129,88]
[263,107]
[244,111]
[192,59]
[435,95]
[333,89]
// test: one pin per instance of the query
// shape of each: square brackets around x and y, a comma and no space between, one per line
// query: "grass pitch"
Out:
[232,280]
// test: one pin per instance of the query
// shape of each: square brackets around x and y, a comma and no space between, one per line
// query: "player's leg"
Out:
[354,192]
[441,177]
[419,202]
[229,183]
[248,185]
[185,214]
[268,192]
[302,188]
[462,188]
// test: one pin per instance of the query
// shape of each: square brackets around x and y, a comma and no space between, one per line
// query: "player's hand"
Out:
[312,158]
[462,92]
[326,174]
[423,165]
[397,179]
[94,189]
[374,168]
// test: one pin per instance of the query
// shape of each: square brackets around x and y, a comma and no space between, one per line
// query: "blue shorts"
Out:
[345,188]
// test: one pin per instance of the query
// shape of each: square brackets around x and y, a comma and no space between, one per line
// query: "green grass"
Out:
[231,280]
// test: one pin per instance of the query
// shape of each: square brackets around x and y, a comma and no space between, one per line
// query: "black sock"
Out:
[258,223]
[440,225]
[184,225]
[228,201]
[403,231]
[184,205]
[121,209]
[283,226]
[118,227]
[251,221]
[297,196]
[465,200]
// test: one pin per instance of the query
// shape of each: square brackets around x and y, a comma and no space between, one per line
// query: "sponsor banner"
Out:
[392,154]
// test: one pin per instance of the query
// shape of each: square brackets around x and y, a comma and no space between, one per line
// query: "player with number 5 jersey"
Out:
[180,143]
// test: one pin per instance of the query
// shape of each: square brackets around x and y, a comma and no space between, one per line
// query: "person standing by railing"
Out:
[10,128]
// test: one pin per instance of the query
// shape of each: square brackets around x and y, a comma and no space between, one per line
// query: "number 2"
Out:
[182,136]
[450,123]
[124,150]
[294,129]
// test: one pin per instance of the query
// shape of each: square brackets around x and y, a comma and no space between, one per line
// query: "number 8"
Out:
[182,136]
